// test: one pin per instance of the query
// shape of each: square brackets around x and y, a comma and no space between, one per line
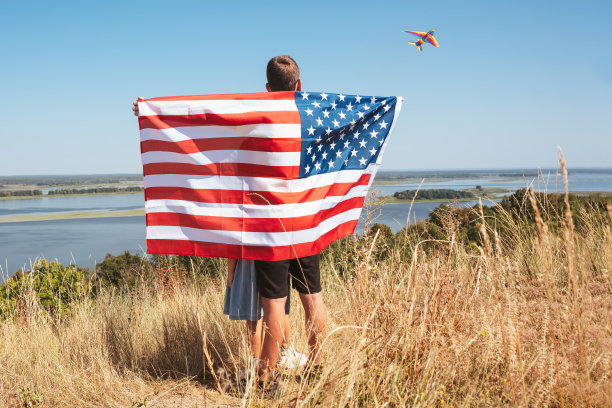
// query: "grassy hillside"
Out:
[503,306]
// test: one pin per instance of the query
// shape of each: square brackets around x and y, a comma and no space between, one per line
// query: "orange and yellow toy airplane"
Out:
[424,37]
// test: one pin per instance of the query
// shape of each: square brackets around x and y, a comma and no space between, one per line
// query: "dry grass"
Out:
[523,321]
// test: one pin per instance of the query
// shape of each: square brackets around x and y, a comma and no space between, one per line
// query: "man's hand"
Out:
[135,108]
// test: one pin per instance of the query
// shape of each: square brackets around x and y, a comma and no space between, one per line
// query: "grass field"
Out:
[523,320]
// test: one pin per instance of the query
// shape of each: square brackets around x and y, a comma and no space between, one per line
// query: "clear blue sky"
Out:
[511,80]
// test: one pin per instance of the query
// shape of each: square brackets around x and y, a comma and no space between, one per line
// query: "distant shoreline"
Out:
[69,195]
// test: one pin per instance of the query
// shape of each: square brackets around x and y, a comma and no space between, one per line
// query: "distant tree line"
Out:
[68,180]
[20,193]
[66,191]
[97,190]
[434,194]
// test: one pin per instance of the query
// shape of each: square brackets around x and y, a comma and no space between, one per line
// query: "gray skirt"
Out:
[242,300]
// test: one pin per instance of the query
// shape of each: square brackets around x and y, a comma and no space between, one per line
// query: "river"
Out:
[85,241]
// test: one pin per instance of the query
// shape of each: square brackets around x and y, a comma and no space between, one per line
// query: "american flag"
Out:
[268,176]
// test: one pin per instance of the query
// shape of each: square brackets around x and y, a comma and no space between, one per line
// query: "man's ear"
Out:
[268,88]
[298,85]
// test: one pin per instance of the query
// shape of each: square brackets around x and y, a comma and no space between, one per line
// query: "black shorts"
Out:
[272,281]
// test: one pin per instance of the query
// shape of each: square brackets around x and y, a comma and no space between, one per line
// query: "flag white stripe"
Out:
[251,238]
[398,108]
[195,107]
[254,183]
[224,156]
[252,210]
[263,130]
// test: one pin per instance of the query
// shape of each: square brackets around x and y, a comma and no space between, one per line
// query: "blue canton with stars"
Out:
[342,132]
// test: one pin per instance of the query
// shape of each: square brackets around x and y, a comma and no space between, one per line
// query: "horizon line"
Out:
[379,171]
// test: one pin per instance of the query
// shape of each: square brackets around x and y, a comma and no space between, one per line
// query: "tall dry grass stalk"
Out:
[525,320]
[573,273]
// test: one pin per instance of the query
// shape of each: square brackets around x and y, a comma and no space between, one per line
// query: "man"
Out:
[283,74]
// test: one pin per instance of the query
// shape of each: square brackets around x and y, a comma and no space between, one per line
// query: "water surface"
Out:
[86,241]
[83,241]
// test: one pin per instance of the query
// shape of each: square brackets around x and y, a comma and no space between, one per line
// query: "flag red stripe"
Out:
[258,96]
[260,144]
[198,248]
[252,197]
[216,119]
[252,224]
[223,169]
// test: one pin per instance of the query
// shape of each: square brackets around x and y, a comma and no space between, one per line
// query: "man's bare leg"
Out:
[273,318]
[315,319]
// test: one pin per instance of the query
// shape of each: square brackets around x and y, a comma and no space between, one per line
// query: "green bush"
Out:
[126,271]
[343,255]
[54,286]
[121,271]
[385,235]
[385,241]
[203,266]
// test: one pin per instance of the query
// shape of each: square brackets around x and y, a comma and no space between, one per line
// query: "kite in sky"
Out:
[423,38]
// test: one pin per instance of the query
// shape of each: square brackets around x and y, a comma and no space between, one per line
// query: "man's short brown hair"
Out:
[283,73]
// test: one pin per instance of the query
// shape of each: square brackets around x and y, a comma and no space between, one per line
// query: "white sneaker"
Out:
[289,358]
